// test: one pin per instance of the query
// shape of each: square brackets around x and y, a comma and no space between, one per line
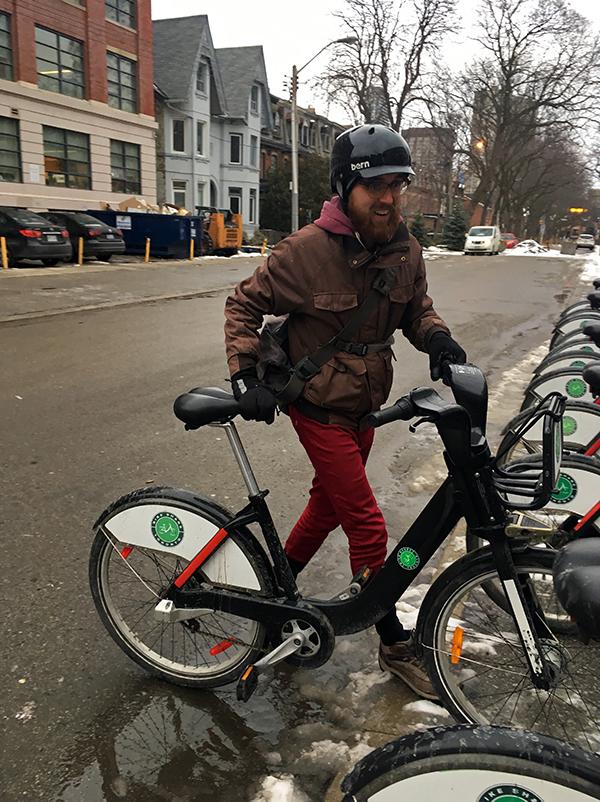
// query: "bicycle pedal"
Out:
[247,684]
[359,580]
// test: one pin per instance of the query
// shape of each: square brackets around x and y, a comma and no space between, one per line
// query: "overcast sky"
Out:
[292,32]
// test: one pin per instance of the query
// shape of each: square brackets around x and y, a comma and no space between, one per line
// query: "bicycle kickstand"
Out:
[248,682]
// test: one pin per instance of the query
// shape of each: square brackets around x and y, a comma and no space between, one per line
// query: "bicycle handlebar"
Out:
[403,409]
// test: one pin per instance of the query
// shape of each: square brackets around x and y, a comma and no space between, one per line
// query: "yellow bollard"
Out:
[4,253]
[147,254]
[80,252]
[263,247]
[191,249]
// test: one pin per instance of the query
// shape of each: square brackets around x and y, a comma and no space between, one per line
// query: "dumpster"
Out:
[169,234]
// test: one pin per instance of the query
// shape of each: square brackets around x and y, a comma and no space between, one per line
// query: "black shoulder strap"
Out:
[309,366]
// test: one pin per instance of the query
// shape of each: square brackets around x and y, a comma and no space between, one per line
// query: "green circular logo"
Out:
[566,489]
[584,323]
[167,529]
[509,793]
[588,349]
[576,388]
[577,364]
[569,425]
[408,559]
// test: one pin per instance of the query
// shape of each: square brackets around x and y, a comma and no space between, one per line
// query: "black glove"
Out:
[256,401]
[442,348]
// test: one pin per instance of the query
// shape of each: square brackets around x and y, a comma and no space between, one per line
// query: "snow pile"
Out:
[592,267]
[280,789]
[529,247]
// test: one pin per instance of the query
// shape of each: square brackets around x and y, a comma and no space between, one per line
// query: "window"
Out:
[201,78]
[122,83]
[313,135]
[125,167]
[59,63]
[201,186]
[178,141]
[179,193]
[235,200]
[121,11]
[303,134]
[252,212]
[254,150]
[10,152]
[254,99]
[235,149]
[325,142]
[200,137]
[273,161]
[67,158]
[5,48]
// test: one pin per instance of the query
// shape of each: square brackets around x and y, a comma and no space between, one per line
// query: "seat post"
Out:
[240,454]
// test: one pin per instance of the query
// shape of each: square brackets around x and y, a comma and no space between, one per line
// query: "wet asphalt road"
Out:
[86,417]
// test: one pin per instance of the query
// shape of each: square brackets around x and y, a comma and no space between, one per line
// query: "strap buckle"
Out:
[306,369]
[356,349]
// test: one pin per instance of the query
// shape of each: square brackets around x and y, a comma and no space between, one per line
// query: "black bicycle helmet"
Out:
[366,151]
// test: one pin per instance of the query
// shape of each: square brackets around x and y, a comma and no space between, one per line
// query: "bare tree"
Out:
[538,81]
[385,72]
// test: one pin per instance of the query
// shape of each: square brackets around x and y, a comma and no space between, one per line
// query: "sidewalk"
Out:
[31,292]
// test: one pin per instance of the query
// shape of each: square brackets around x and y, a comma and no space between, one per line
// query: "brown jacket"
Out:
[320,279]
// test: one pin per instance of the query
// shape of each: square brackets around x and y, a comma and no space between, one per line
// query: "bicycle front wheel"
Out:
[127,583]
[478,763]
[477,663]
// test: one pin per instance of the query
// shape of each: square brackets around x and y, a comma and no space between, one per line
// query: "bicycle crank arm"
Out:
[248,682]
[165,610]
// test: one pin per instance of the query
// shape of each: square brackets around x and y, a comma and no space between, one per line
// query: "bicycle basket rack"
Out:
[536,480]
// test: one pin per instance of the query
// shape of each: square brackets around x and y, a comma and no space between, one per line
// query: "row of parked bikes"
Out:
[508,632]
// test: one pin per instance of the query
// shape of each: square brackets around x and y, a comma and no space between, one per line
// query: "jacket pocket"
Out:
[339,385]
[403,294]
[335,301]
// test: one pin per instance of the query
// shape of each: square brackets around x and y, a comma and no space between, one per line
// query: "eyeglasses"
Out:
[377,187]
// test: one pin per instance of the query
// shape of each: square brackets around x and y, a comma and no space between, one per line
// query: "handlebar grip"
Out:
[403,409]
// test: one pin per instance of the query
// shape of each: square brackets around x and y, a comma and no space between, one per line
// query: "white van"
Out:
[483,239]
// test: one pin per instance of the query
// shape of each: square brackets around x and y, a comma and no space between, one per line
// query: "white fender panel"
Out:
[573,386]
[567,362]
[579,491]
[578,323]
[188,532]
[579,343]
[578,427]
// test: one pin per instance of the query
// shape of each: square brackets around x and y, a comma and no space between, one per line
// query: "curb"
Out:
[6,321]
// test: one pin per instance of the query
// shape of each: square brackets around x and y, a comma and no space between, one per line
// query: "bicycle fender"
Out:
[181,523]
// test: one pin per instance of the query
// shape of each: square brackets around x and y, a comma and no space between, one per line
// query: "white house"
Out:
[211,105]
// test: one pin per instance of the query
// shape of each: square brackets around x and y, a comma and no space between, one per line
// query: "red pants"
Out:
[340,494]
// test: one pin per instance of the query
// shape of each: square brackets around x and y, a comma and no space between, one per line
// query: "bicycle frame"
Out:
[465,492]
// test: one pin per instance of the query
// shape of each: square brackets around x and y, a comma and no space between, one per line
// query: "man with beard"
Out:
[319,276]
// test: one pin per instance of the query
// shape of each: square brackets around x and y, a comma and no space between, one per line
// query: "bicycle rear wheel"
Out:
[487,679]
[475,763]
[127,583]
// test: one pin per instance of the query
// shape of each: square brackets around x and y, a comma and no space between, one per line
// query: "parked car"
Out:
[586,241]
[99,239]
[31,236]
[509,239]
[483,239]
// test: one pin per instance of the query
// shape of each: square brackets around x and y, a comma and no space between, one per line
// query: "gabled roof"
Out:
[177,47]
[240,68]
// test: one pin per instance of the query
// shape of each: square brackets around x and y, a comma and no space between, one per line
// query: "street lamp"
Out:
[348,40]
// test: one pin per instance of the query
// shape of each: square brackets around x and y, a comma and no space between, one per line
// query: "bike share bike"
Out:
[494,764]
[187,591]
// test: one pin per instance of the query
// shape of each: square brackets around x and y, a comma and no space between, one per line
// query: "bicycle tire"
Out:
[457,599]
[217,627]
[418,766]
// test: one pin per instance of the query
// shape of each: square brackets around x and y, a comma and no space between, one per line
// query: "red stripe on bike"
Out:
[588,516]
[201,557]
[593,448]
[126,551]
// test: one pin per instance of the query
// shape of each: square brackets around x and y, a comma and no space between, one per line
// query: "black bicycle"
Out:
[187,591]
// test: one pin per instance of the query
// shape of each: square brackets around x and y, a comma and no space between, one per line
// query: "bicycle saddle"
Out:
[577,583]
[204,405]
[591,374]
[594,299]
[592,330]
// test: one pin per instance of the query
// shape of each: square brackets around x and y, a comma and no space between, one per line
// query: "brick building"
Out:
[431,151]
[76,103]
